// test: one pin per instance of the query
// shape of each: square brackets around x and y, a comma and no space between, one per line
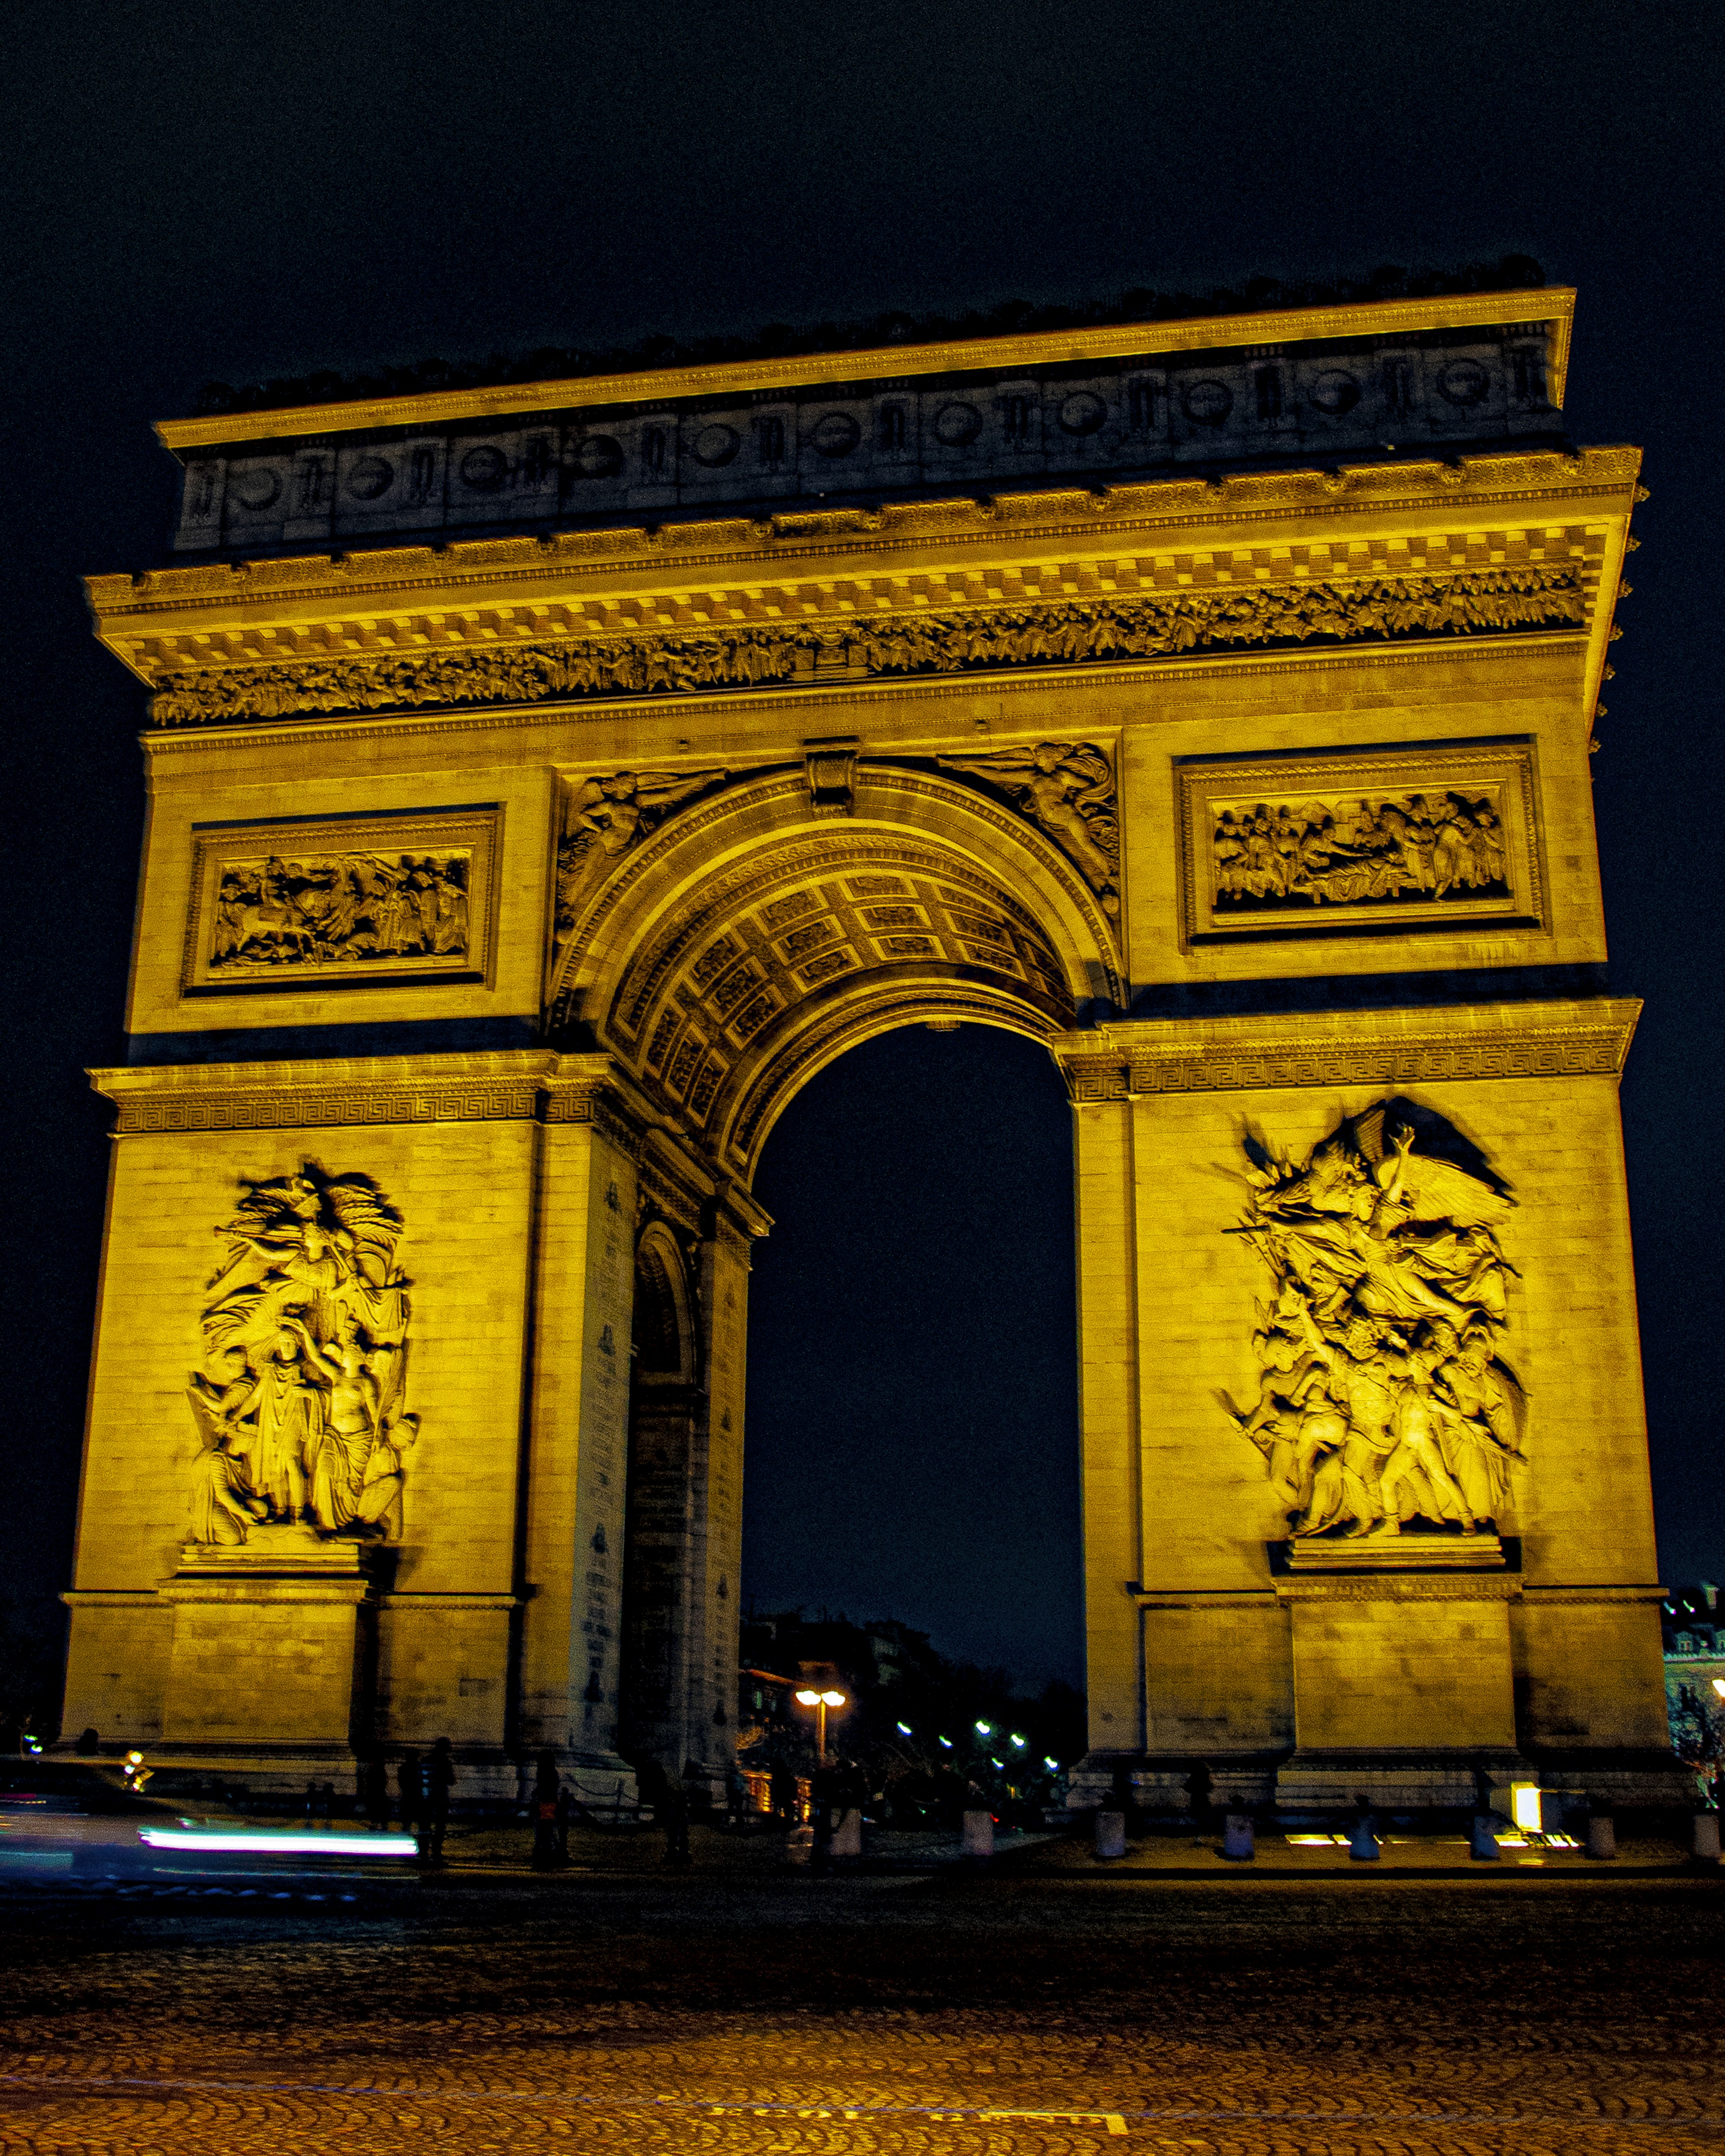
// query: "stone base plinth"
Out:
[1438,1781]
[1399,1552]
[265,1638]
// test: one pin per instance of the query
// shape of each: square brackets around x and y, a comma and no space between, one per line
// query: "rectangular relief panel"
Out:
[1439,840]
[305,904]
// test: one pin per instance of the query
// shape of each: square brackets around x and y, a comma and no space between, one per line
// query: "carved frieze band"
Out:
[1514,1041]
[1464,602]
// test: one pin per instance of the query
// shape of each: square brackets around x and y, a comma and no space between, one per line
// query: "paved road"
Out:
[749,2013]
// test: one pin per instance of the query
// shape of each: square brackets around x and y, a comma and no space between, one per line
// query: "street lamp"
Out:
[822,1701]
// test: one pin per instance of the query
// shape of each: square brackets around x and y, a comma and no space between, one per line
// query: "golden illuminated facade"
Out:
[546,783]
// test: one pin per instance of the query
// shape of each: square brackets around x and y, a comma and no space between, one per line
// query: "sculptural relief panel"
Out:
[299,1400]
[338,903]
[1442,839]
[1386,1400]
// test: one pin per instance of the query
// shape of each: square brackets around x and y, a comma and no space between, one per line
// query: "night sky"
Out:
[196,191]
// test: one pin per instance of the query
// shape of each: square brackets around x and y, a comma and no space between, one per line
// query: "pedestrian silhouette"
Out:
[410,1786]
[439,1778]
[544,1808]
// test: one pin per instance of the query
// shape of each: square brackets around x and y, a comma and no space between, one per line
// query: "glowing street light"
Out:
[985,1729]
[1017,1740]
[1719,1686]
[905,1730]
[821,1701]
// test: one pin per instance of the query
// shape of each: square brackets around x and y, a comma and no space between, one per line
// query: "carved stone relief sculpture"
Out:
[1070,633]
[299,1402]
[1066,789]
[1270,856]
[1334,844]
[339,909]
[341,902]
[604,817]
[1385,1403]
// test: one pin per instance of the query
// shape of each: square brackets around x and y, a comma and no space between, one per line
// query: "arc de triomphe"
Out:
[545,781]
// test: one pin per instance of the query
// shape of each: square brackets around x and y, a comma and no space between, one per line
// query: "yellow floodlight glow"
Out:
[1719,1686]
[809,1699]
[832,1698]
[1524,1801]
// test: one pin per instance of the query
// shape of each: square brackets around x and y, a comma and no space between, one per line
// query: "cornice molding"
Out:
[1554,305]
[1032,633]
[509,1085]
[1430,1046]
[542,567]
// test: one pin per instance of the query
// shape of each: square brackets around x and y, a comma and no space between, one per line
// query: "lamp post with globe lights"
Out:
[821,1701]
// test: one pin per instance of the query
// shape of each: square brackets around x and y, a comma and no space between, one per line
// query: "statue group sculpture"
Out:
[299,1401]
[1384,1402]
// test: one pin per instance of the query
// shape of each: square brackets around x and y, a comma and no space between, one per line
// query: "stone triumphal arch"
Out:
[545,781]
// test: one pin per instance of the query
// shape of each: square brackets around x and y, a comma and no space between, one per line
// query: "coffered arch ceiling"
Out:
[754,937]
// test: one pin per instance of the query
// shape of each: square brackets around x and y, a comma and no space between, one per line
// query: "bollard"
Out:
[978,1833]
[1237,1841]
[1602,1835]
[1705,1841]
[799,1845]
[1111,1834]
[1484,1844]
[1363,1846]
[847,1836]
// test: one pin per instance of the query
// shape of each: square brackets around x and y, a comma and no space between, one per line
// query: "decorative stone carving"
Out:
[299,1402]
[302,904]
[1069,634]
[1067,791]
[1384,1401]
[1443,841]
[344,909]
[831,768]
[605,817]
[1272,858]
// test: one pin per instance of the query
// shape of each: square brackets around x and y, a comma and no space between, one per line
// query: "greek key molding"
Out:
[1401,1587]
[1037,633]
[508,1086]
[1367,1048]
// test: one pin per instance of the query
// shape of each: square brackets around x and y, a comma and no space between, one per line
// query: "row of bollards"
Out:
[1363,1846]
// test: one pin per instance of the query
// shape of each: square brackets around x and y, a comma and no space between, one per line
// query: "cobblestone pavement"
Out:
[886,2016]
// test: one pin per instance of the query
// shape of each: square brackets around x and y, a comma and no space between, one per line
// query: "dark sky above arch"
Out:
[199,190]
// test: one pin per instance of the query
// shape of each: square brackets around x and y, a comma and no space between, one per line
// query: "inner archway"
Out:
[752,942]
[913,1417]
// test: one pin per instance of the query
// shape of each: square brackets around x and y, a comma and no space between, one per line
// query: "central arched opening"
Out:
[869,988]
[912,1448]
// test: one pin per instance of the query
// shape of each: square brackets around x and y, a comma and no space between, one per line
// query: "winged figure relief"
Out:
[1386,1400]
[605,817]
[300,1405]
[1066,789]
